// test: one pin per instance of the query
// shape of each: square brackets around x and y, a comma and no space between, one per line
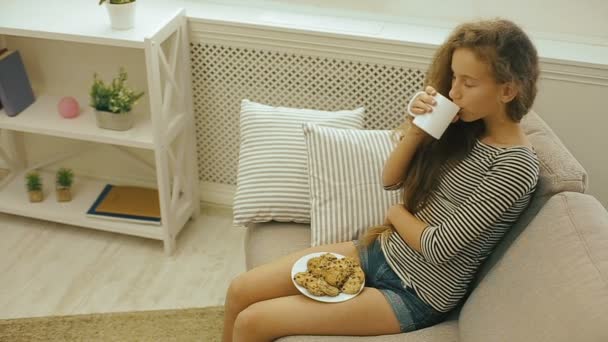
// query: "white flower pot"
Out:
[113,121]
[122,16]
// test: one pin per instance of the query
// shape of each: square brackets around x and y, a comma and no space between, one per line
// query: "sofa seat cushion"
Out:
[443,332]
[551,284]
[267,241]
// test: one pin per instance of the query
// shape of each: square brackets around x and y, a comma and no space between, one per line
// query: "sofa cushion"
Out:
[272,182]
[443,332]
[551,284]
[267,241]
[345,175]
[559,171]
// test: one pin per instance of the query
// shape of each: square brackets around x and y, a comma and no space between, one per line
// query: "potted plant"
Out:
[33,183]
[121,12]
[63,184]
[113,102]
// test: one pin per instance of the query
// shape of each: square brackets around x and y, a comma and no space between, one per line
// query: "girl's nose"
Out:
[454,93]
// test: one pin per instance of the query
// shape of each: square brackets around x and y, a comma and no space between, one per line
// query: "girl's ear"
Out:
[508,92]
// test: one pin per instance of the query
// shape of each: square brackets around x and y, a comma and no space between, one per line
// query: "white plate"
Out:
[301,265]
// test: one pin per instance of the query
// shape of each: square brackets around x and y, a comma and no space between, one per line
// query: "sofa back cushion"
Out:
[560,171]
[551,284]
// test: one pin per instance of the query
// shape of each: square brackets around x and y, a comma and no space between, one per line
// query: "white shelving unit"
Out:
[169,133]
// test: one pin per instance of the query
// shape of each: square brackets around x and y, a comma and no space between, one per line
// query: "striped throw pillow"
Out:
[345,175]
[272,181]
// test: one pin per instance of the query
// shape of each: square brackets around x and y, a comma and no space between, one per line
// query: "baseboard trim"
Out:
[217,194]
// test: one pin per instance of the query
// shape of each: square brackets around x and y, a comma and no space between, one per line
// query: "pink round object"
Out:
[68,107]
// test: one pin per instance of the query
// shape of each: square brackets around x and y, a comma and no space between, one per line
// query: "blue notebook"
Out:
[15,89]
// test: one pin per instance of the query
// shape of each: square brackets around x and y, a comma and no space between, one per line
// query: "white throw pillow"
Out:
[345,175]
[272,180]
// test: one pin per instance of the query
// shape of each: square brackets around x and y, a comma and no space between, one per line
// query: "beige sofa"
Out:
[546,281]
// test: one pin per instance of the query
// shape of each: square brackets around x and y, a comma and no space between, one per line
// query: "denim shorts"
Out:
[410,310]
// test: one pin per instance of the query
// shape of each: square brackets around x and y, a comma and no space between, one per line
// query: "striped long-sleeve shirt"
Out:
[477,201]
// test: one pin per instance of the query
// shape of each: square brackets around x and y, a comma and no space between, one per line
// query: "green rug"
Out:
[202,324]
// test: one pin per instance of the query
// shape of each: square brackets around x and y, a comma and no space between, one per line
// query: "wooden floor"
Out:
[55,269]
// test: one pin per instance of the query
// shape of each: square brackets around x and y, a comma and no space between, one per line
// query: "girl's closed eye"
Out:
[466,83]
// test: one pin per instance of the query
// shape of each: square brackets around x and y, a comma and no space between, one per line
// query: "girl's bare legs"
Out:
[367,314]
[273,280]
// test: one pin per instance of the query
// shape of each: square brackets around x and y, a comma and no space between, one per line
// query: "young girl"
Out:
[461,194]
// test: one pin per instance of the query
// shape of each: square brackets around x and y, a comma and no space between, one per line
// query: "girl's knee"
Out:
[237,291]
[249,323]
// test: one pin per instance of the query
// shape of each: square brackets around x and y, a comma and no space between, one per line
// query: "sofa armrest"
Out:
[552,282]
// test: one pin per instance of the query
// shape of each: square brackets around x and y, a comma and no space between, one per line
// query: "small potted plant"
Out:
[63,184]
[113,102]
[33,183]
[121,12]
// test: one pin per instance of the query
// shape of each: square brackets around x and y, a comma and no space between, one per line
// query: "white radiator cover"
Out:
[225,75]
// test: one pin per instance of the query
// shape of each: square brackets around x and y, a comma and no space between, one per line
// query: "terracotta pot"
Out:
[64,194]
[35,196]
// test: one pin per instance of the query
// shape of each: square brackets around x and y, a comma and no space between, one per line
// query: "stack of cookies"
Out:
[326,275]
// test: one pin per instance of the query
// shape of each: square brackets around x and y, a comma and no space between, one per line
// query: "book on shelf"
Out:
[2,51]
[127,203]
[16,92]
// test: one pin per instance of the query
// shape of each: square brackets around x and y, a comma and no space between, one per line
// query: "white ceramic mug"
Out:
[437,121]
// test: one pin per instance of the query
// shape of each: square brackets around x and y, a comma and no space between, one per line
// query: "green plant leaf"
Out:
[64,177]
[115,97]
[33,182]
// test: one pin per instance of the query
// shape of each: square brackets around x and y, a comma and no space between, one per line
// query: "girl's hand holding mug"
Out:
[432,111]
[423,102]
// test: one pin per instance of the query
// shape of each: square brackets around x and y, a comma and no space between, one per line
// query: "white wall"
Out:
[577,113]
[573,20]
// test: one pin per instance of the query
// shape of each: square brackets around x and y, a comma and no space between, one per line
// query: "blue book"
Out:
[16,92]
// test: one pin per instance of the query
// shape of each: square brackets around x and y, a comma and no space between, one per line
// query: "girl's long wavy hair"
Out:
[511,57]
